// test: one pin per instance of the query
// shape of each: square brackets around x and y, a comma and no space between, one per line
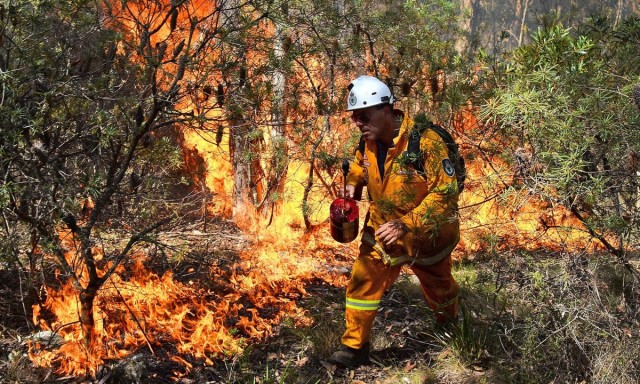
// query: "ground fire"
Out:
[241,302]
[141,309]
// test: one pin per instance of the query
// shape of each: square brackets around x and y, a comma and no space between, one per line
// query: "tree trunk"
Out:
[618,13]
[462,44]
[239,128]
[277,177]
[522,16]
[87,321]
[88,294]
[241,168]
[637,184]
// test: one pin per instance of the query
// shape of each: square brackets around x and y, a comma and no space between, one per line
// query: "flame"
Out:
[149,310]
[138,308]
[494,211]
[219,174]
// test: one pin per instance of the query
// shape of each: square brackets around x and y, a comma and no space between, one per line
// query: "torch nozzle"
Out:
[345,167]
[345,172]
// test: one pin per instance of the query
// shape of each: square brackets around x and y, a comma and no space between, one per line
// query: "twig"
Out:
[556,331]
[203,234]
[134,317]
[613,250]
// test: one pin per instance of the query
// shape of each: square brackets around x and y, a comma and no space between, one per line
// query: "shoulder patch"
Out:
[448,168]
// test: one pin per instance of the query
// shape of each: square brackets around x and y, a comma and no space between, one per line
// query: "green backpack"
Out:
[416,155]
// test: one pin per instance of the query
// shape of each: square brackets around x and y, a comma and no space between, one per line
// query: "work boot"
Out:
[350,357]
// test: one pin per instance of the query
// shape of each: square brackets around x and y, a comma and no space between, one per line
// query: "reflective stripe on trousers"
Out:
[370,278]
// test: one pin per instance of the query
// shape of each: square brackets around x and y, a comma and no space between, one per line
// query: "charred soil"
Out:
[525,317]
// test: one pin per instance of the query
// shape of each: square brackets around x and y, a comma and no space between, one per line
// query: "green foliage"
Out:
[465,339]
[328,160]
[567,97]
[307,53]
[271,377]
[89,141]
[67,129]
[488,241]
[554,317]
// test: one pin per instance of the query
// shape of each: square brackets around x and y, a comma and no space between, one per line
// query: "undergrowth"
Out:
[525,318]
[556,317]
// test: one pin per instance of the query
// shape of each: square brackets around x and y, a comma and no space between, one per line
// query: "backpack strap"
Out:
[416,155]
[361,146]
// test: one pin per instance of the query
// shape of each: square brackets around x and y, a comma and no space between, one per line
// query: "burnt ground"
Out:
[529,317]
[405,341]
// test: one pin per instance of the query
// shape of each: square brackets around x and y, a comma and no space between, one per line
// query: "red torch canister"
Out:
[344,214]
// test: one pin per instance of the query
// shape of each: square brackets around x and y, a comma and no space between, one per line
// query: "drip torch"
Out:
[344,214]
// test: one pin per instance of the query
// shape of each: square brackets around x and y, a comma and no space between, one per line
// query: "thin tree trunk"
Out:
[619,11]
[523,22]
[636,182]
[462,44]
[239,143]
[241,168]
[277,176]
[87,321]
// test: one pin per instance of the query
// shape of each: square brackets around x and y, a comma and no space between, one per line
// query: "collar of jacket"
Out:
[405,124]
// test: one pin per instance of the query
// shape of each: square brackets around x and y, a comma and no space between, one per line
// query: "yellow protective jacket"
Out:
[426,202]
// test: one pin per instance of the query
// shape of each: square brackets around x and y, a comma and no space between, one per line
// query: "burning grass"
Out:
[234,303]
[529,317]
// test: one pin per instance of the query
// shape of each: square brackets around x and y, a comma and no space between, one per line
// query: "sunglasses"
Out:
[364,117]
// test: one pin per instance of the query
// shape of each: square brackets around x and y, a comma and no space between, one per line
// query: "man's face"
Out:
[370,121]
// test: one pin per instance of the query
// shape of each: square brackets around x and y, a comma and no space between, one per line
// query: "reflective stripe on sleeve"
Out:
[363,305]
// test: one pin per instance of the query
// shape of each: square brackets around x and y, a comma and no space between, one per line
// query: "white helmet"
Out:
[367,91]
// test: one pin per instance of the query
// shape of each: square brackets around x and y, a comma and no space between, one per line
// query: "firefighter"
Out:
[412,218]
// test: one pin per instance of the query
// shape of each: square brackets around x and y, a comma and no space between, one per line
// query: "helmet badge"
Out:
[352,99]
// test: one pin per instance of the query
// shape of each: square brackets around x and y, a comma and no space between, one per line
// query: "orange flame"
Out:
[138,308]
[151,310]
[495,212]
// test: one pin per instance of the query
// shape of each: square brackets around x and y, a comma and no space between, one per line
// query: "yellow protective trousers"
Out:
[370,278]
